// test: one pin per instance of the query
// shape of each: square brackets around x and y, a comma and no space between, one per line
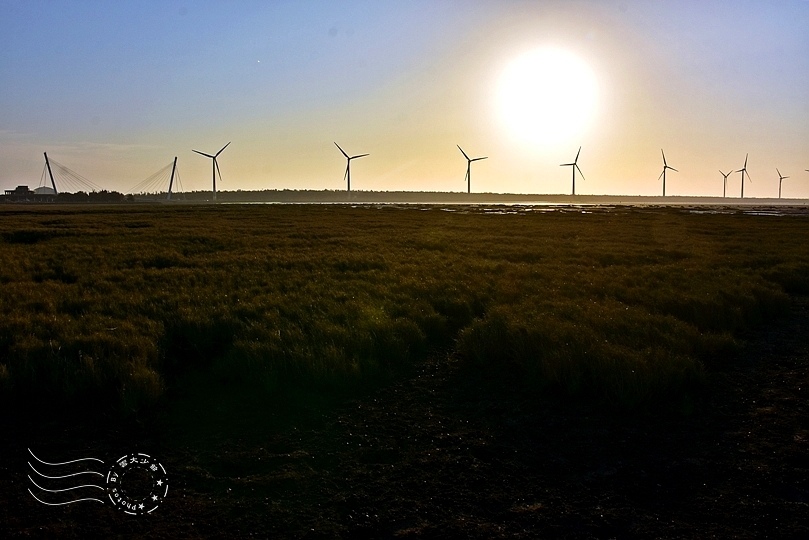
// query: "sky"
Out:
[116,90]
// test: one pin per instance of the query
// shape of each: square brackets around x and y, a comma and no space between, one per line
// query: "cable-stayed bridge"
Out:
[166,180]
[156,183]
[69,180]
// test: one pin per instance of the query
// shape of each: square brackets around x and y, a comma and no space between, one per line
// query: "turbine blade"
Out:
[745,160]
[661,175]
[581,173]
[673,169]
[577,155]
[359,156]
[223,149]
[478,158]
[462,152]
[217,169]
[341,150]
[203,154]
[664,157]
[567,164]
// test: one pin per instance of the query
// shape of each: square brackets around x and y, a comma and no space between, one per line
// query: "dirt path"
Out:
[441,455]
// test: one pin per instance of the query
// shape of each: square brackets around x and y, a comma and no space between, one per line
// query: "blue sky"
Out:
[115,90]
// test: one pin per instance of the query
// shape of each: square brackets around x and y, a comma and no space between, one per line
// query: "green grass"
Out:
[118,305]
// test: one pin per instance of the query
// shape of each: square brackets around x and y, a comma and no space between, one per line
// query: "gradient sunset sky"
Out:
[114,90]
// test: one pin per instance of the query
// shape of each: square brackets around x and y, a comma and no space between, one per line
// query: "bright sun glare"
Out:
[547,97]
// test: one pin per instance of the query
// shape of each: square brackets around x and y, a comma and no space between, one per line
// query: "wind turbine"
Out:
[725,185]
[781,178]
[574,166]
[214,166]
[347,175]
[469,161]
[663,174]
[743,170]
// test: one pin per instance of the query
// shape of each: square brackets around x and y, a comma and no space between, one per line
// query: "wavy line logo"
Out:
[135,483]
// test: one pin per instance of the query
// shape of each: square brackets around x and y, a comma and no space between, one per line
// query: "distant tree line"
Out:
[102,196]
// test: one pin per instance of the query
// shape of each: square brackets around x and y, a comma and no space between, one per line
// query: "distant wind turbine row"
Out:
[574,165]
[666,167]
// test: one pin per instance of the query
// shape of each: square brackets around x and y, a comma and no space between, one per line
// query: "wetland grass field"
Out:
[116,307]
[412,371]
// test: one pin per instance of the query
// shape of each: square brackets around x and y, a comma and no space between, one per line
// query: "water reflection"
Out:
[521,208]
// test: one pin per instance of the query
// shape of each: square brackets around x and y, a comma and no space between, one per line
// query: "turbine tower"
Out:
[171,180]
[50,173]
[663,174]
[347,175]
[214,166]
[725,184]
[574,166]
[469,161]
[743,170]
[781,178]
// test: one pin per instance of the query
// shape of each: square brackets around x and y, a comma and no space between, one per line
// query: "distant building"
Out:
[19,191]
[23,194]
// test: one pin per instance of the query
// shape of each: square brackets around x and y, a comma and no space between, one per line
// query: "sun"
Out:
[547,97]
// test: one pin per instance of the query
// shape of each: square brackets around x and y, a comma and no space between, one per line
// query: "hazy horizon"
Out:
[115,91]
